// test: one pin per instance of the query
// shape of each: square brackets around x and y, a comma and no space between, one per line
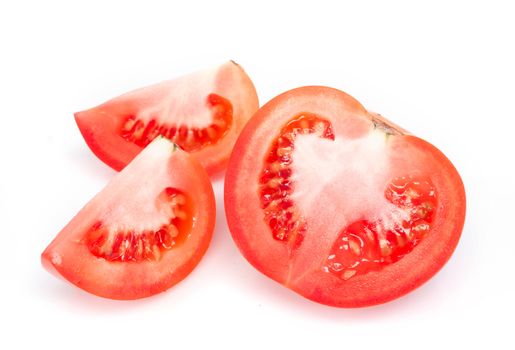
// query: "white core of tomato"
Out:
[136,206]
[181,101]
[345,178]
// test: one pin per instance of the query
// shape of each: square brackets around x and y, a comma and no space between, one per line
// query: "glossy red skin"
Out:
[67,255]
[253,236]
[99,125]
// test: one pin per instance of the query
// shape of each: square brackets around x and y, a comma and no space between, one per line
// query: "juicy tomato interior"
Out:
[144,232]
[365,246]
[275,181]
[190,139]
[202,112]
[337,203]
[128,245]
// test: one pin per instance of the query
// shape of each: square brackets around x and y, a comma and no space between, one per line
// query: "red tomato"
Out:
[338,204]
[144,232]
[203,113]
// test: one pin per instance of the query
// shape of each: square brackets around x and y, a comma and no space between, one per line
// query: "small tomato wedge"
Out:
[144,232]
[338,204]
[203,113]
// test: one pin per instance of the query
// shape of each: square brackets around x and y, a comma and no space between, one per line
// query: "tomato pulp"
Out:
[202,112]
[144,232]
[338,204]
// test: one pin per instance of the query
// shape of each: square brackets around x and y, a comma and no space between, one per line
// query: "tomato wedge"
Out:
[338,204]
[202,112]
[144,232]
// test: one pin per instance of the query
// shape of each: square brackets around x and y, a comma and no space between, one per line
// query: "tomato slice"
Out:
[337,203]
[202,112]
[144,232]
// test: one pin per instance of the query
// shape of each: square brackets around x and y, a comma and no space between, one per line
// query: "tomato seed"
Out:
[140,133]
[371,246]
[348,274]
[275,186]
[146,245]
[354,247]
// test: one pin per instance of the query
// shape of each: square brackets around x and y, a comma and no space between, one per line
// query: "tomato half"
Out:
[144,232]
[337,203]
[202,112]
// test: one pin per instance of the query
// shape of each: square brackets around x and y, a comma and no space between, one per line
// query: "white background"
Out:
[443,70]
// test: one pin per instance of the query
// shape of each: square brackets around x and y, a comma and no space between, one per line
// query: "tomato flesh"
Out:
[362,246]
[275,183]
[365,246]
[189,139]
[111,244]
[144,232]
[337,203]
[202,112]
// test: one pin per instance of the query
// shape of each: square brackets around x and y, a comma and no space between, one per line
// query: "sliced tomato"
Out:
[144,232]
[337,203]
[202,112]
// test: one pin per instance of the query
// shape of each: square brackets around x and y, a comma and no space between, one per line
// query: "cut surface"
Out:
[365,246]
[145,127]
[276,186]
[338,204]
[202,112]
[300,167]
[113,241]
[144,232]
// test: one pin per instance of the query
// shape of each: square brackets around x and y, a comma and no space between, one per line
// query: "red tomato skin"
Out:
[386,284]
[99,125]
[68,258]
[270,257]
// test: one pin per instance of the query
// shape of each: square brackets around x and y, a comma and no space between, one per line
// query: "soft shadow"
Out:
[266,291]
[59,291]
[287,301]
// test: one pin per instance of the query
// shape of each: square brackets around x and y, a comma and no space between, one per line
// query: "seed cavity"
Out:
[189,139]
[275,185]
[365,246]
[112,244]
